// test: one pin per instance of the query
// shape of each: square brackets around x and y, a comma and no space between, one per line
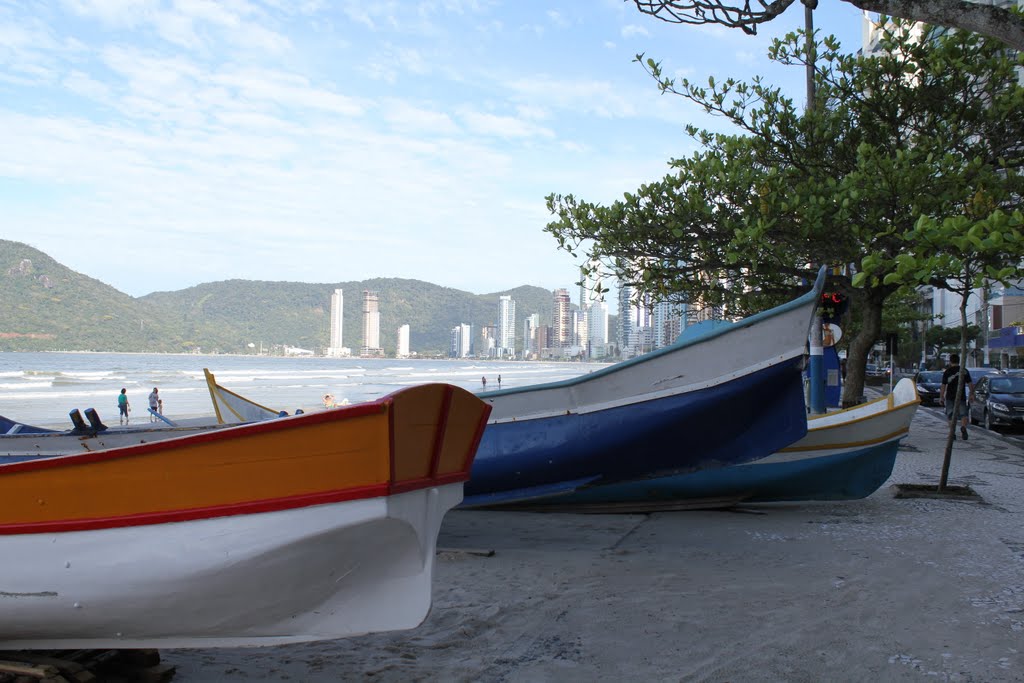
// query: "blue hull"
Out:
[735,422]
[6,425]
[843,476]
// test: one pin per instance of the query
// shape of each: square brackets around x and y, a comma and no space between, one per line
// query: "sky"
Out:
[159,144]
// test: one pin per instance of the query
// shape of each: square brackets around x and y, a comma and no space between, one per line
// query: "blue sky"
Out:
[157,144]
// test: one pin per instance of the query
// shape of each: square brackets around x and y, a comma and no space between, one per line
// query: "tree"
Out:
[947,339]
[1005,24]
[921,130]
[959,254]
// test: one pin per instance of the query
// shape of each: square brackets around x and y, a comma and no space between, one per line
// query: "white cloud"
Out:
[123,13]
[590,96]
[558,19]
[502,126]
[631,30]
[86,86]
[409,118]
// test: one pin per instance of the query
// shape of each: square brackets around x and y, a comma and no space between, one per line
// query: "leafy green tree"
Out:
[958,253]
[947,339]
[743,222]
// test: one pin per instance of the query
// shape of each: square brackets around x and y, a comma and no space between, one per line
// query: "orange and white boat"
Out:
[309,527]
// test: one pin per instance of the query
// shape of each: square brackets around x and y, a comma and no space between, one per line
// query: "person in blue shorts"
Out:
[123,407]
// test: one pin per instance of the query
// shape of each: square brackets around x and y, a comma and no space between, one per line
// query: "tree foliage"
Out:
[930,128]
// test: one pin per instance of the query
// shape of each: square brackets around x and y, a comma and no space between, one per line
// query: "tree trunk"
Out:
[858,350]
[958,399]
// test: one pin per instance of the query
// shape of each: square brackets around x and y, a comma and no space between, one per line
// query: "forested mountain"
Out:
[46,306]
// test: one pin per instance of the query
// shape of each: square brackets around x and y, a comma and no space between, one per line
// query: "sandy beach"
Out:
[880,589]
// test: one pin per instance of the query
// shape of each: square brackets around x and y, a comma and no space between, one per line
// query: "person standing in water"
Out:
[123,407]
[156,404]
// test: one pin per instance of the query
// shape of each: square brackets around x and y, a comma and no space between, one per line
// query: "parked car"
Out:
[929,385]
[999,400]
[874,370]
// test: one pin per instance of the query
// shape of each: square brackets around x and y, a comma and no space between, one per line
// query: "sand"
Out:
[880,589]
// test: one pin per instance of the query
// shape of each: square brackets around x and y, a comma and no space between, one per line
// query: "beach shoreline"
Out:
[879,589]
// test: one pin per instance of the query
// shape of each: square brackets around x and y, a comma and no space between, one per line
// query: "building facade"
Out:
[371,326]
[506,342]
[337,346]
[561,322]
[402,347]
[461,341]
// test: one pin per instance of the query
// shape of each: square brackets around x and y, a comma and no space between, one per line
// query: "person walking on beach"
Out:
[948,392]
[123,407]
[156,404]
[483,380]
[499,381]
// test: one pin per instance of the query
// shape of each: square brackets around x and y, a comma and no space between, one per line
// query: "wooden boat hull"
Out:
[845,455]
[318,572]
[303,528]
[732,395]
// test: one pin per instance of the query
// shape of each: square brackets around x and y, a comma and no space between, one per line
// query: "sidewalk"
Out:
[880,589]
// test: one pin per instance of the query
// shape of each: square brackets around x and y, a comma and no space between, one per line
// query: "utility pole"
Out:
[816,370]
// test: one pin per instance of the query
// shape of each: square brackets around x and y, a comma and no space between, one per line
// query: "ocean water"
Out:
[41,388]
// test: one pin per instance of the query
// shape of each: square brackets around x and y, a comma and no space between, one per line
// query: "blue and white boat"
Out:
[730,395]
[845,455]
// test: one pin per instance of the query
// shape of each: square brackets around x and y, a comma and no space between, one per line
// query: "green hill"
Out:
[46,306]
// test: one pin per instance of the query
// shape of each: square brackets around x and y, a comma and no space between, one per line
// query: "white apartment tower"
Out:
[371,325]
[337,322]
[402,348]
[597,323]
[530,325]
[461,341]
[506,326]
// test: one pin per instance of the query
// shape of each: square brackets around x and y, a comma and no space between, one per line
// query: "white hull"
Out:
[319,572]
[844,431]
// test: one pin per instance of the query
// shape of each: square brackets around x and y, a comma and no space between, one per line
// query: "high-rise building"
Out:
[597,328]
[402,347]
[506,345]
[461,341]
[371,326]
[624,327]
[561,323]
[635,334]
[668,321]
[337,347]
[530,325]
[579,328]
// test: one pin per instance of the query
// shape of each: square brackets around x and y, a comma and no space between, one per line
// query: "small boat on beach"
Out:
[729,395]
[308,527]
[845,455]
[19,441]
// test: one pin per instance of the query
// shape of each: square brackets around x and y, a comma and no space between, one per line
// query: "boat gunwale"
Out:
[809,297]
[217,434]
